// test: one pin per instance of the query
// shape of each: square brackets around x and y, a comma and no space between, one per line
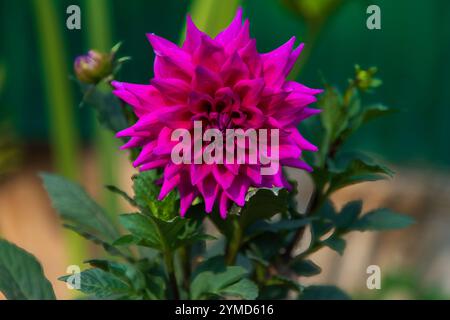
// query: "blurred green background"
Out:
[411,51]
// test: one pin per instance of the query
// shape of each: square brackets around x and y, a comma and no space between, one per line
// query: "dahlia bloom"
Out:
[226,84]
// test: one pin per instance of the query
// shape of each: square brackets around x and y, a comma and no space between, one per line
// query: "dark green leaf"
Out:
[279,280]
[352,169]
[126,272]
[382,219]
[101,284]
[261,204]
[375,111]
[158,234]
[125,253]
[283,225]
[244,289]
[110,112]
[336,243]
[122,193]
[21,275]
[348,215]
[74,205]
[323,293]
[143,228]
[214,279]
[305,268]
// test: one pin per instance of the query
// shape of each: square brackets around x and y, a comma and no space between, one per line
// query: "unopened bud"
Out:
[93,67]
[365,80]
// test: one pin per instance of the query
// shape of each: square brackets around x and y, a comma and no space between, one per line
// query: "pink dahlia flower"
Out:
[226,84]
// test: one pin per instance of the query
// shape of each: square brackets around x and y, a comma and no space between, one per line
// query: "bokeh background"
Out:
[42,127]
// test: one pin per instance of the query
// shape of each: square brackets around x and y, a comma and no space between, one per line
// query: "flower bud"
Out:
[93,67]
[365,80]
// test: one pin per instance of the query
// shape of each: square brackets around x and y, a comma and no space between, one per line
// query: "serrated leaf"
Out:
[143,228]
[215,279]
[126,272]
[146,197]
[74,205]
[101,284]
[382,219]
[21,275]
[352,170]
[305,268]
[244,289]
[108,247]
[158,234]
[323,293]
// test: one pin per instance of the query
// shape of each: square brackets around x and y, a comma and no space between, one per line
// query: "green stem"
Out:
[170,267]
[186,265]
[234,244]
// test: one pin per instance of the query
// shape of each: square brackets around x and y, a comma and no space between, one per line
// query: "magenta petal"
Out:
[206,81]
[275,63]
[232,30]
[296,163]
[168,185]
[193,36]
[224,205]
[209,189]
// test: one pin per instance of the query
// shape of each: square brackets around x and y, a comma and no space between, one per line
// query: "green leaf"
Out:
[161,235]
[279,226]
[126,272]
[101,284]
[214,279]
[375,111]
[382,219]
[144,229]
[323,293]
[279,280]
[305,268]
[333,116]
[348,215]
[110,248]
[321,227]
[74,205]
[336,243]
[122,193]
[261,204]
[21,275]
[146,197]
[351,169]
[244,289]
[110,113]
